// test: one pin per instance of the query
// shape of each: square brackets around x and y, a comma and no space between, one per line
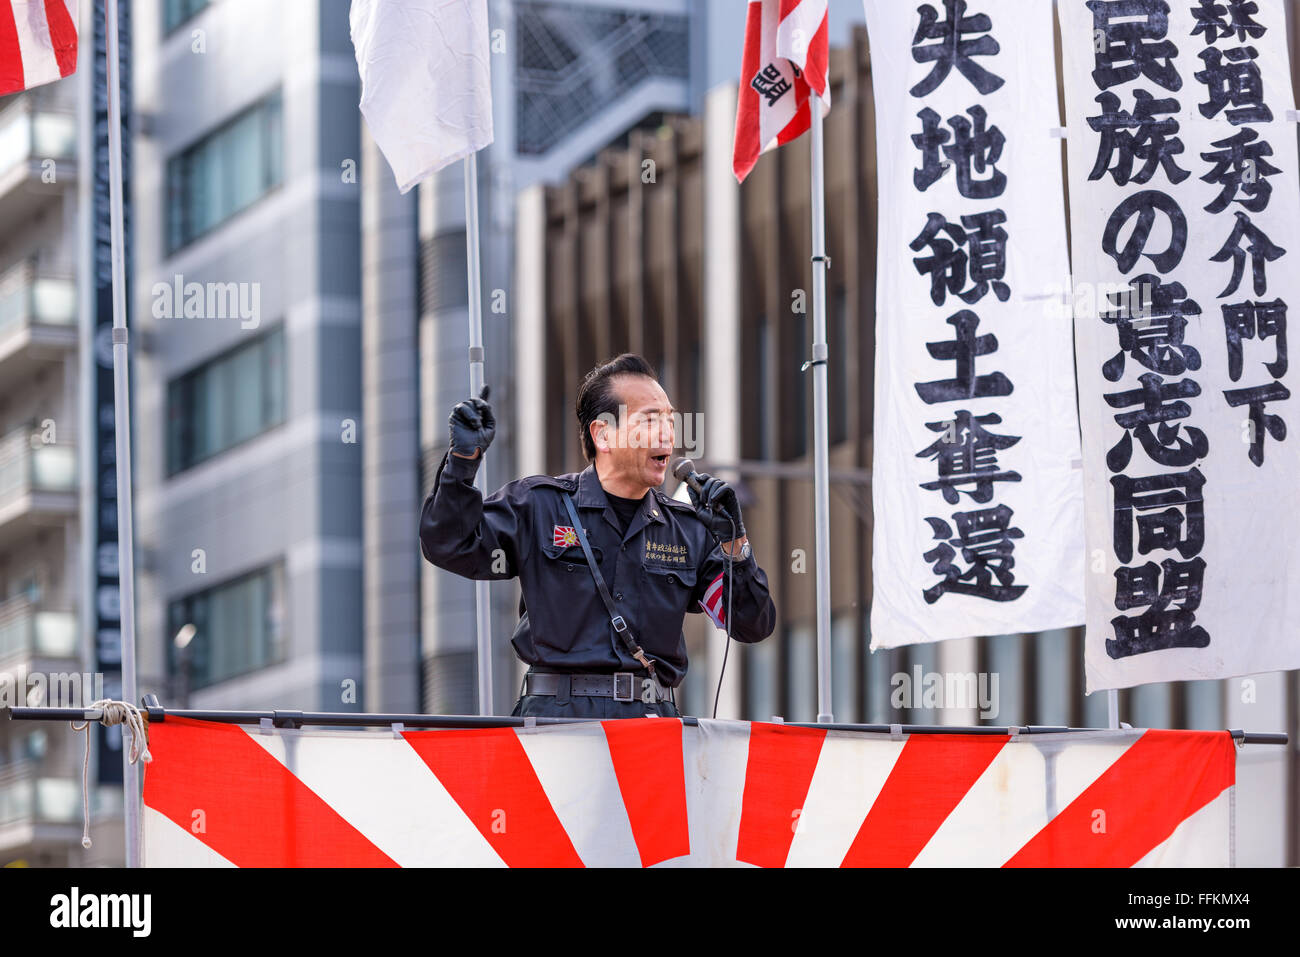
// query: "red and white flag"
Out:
[426,89]
[786,59]
[633,793]
[38,42]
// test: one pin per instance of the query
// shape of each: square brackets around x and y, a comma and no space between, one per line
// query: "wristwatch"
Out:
[745,552]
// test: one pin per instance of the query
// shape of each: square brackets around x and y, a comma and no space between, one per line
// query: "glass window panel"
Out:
[844,690]
[1150,706]
[273,370]
[225,172]
[760,679]
[229,400]
[1053,677]
[1006,659]
[245,394]
[1096,713]
[801,670]
[1204,702]
[922,660]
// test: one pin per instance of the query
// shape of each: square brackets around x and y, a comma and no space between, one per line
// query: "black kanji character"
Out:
[968,455]
[963,350]
[1161,404]
[988,253]
[952,50]
[1262,251]
[1261,422]
[1154,142]
[928,141]
[948,265]
[1211,20]
[1246,320]
[985,539]
[1151,320]
[1164,529]
[975,148]
[770,83]
[1240,167]
[1237,82]
[1135,44]
[1144,206]
[1169,622]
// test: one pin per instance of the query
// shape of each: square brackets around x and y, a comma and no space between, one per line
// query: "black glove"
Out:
[472,425]
[717,507]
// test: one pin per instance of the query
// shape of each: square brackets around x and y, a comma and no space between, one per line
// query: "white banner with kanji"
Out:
[1185,207]
[976,485]
[658,791]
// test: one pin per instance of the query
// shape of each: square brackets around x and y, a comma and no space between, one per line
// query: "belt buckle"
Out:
[630,686]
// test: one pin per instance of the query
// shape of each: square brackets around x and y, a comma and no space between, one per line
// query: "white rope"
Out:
[113,712]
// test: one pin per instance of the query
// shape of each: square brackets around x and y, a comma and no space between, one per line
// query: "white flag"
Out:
[1184,204]
[977,493]
[426,92]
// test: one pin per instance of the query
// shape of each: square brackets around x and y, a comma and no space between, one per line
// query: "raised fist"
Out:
[472,426]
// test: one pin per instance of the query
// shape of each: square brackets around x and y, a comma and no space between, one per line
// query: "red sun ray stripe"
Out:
[778,773]
[931,776]
[255,813]
[11,56]
[647,757]
[487,773]
[63,35]
[1193,768]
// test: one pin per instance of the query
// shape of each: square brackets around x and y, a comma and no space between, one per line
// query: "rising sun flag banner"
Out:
[426,88]
[38,42]
[785,61]
[695,793]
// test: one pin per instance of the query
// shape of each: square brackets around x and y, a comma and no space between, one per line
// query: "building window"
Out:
[225,401]
[239,628]
[760,679]
[1004,656]
[225,172]
[844,686]
[798,423]
[837,385]
[801,672]
[1203,701]
[176,12]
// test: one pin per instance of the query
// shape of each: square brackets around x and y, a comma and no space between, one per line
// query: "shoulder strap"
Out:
[615,619]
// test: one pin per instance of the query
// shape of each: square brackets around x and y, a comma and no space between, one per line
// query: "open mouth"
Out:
[660,459]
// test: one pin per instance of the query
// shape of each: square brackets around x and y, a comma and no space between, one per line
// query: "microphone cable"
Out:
[727,649]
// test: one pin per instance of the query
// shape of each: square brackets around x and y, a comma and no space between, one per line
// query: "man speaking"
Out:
[609,565]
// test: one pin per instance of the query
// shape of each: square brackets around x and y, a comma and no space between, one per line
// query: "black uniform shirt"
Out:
[663,564]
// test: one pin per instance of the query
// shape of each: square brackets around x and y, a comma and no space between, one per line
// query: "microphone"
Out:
[684,471]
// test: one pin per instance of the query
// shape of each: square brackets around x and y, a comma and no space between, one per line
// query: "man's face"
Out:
[640,441]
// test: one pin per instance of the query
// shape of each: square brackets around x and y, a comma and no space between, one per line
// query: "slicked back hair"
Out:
[596,396]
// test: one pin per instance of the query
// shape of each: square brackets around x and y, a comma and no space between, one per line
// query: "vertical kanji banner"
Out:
[1184,207]
[976,484]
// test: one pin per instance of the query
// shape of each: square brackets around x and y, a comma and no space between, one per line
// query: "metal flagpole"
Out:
[132,796]
[821,458]
[482,605]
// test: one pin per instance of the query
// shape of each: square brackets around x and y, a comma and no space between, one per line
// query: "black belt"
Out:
[623,686]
